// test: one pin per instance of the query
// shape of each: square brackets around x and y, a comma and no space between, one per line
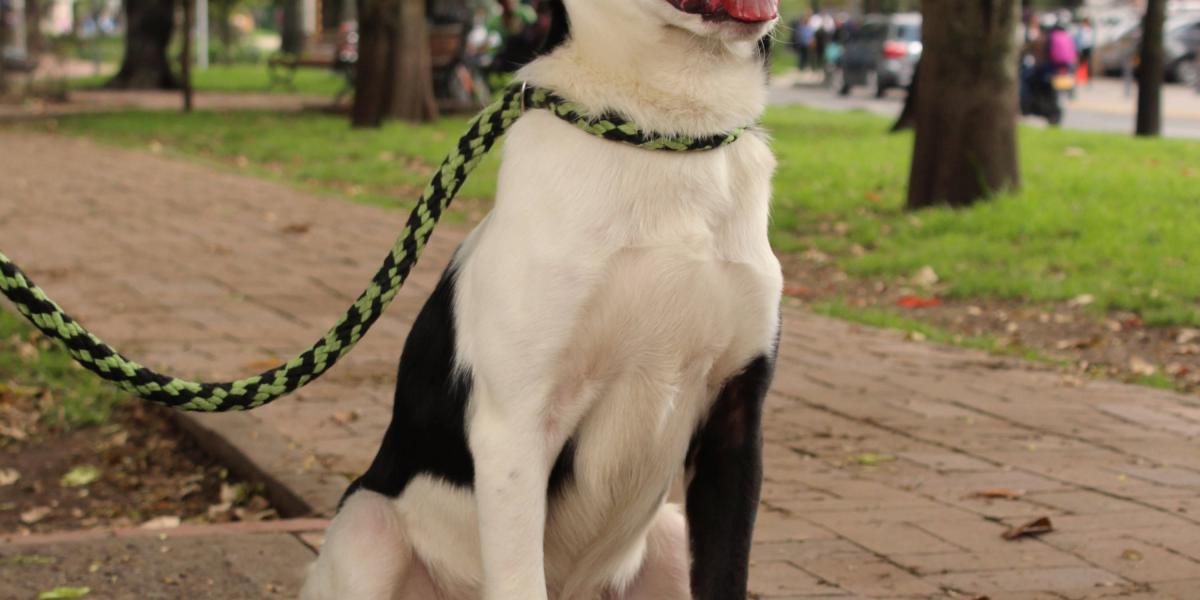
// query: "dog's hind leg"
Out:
[366,554]
[664,574]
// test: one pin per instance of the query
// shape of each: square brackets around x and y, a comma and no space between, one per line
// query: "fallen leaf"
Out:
[1001,493]
[80,476]
[915,336]
[797,291]
[1187,336]
[345,416]
[1141,366]
[871,459]
[926,277]
[918,302]
[873,196]
[1078,343]
[1074,151]
[9,476]
[63,593]
[297,228]
[232,494]
[815,256]
[1082,300]
[165,522]
[1033,528]
[1132,322]
[35,514]
[1131,555]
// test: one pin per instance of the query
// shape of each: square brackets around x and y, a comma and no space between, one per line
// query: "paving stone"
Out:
[869,578]
[1133,559]
[780,579]
[1027,580]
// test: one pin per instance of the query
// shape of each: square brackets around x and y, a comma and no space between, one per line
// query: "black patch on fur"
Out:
[560,26]
[722,499]
[427,434]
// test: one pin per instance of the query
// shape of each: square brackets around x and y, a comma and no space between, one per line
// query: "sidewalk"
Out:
[878,448]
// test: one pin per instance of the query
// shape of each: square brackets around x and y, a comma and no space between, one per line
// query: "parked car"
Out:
[1181,42]
[881,54]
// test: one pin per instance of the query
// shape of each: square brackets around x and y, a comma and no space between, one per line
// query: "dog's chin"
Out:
[718,26]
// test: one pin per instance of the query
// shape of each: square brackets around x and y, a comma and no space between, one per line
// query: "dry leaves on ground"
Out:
[1035,527]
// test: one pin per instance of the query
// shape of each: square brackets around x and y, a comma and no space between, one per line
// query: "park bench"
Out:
[282,67]
[446,48]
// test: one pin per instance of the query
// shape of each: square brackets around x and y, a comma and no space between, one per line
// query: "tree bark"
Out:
[149,24]
[394,77]
[966,113]
[371,92]
[412,97]
[1152,70]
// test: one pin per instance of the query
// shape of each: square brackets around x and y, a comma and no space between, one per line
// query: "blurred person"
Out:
[1085,41]
[820,40]
[802,41]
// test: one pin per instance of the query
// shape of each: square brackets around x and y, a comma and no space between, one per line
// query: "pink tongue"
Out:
[749,10]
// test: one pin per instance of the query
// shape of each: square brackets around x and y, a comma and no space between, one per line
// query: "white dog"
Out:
[612,322]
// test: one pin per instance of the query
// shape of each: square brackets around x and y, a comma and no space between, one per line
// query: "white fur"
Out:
[606,298]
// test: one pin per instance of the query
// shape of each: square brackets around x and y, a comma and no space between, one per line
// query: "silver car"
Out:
[880,54]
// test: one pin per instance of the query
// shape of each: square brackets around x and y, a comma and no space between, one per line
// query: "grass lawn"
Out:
[241,78]
[32,366]
[1108,216]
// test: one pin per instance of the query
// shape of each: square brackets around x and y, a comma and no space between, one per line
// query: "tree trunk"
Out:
[291,29]
[185,53]
[394,76]
[34,40]
[147,33]
[966,121]
[1153,69]
[412,97]
[371,92]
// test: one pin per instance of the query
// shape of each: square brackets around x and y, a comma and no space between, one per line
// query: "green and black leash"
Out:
[485,129]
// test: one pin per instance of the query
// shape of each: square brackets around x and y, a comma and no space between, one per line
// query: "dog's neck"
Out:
[665,79]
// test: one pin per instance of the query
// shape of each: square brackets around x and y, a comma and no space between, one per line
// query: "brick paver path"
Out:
[210,273]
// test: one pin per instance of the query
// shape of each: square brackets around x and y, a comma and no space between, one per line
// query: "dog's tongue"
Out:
[749,10]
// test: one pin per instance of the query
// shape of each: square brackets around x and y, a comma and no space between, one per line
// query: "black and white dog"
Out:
[612,322]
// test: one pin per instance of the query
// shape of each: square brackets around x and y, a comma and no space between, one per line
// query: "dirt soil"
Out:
[137,470]
[1084,341]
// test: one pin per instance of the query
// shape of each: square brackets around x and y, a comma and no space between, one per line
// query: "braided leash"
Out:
[485,129]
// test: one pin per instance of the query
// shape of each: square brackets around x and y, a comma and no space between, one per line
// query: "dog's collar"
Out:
[612,126]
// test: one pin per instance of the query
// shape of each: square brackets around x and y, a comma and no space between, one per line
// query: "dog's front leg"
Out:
[726,477]
[511,476]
